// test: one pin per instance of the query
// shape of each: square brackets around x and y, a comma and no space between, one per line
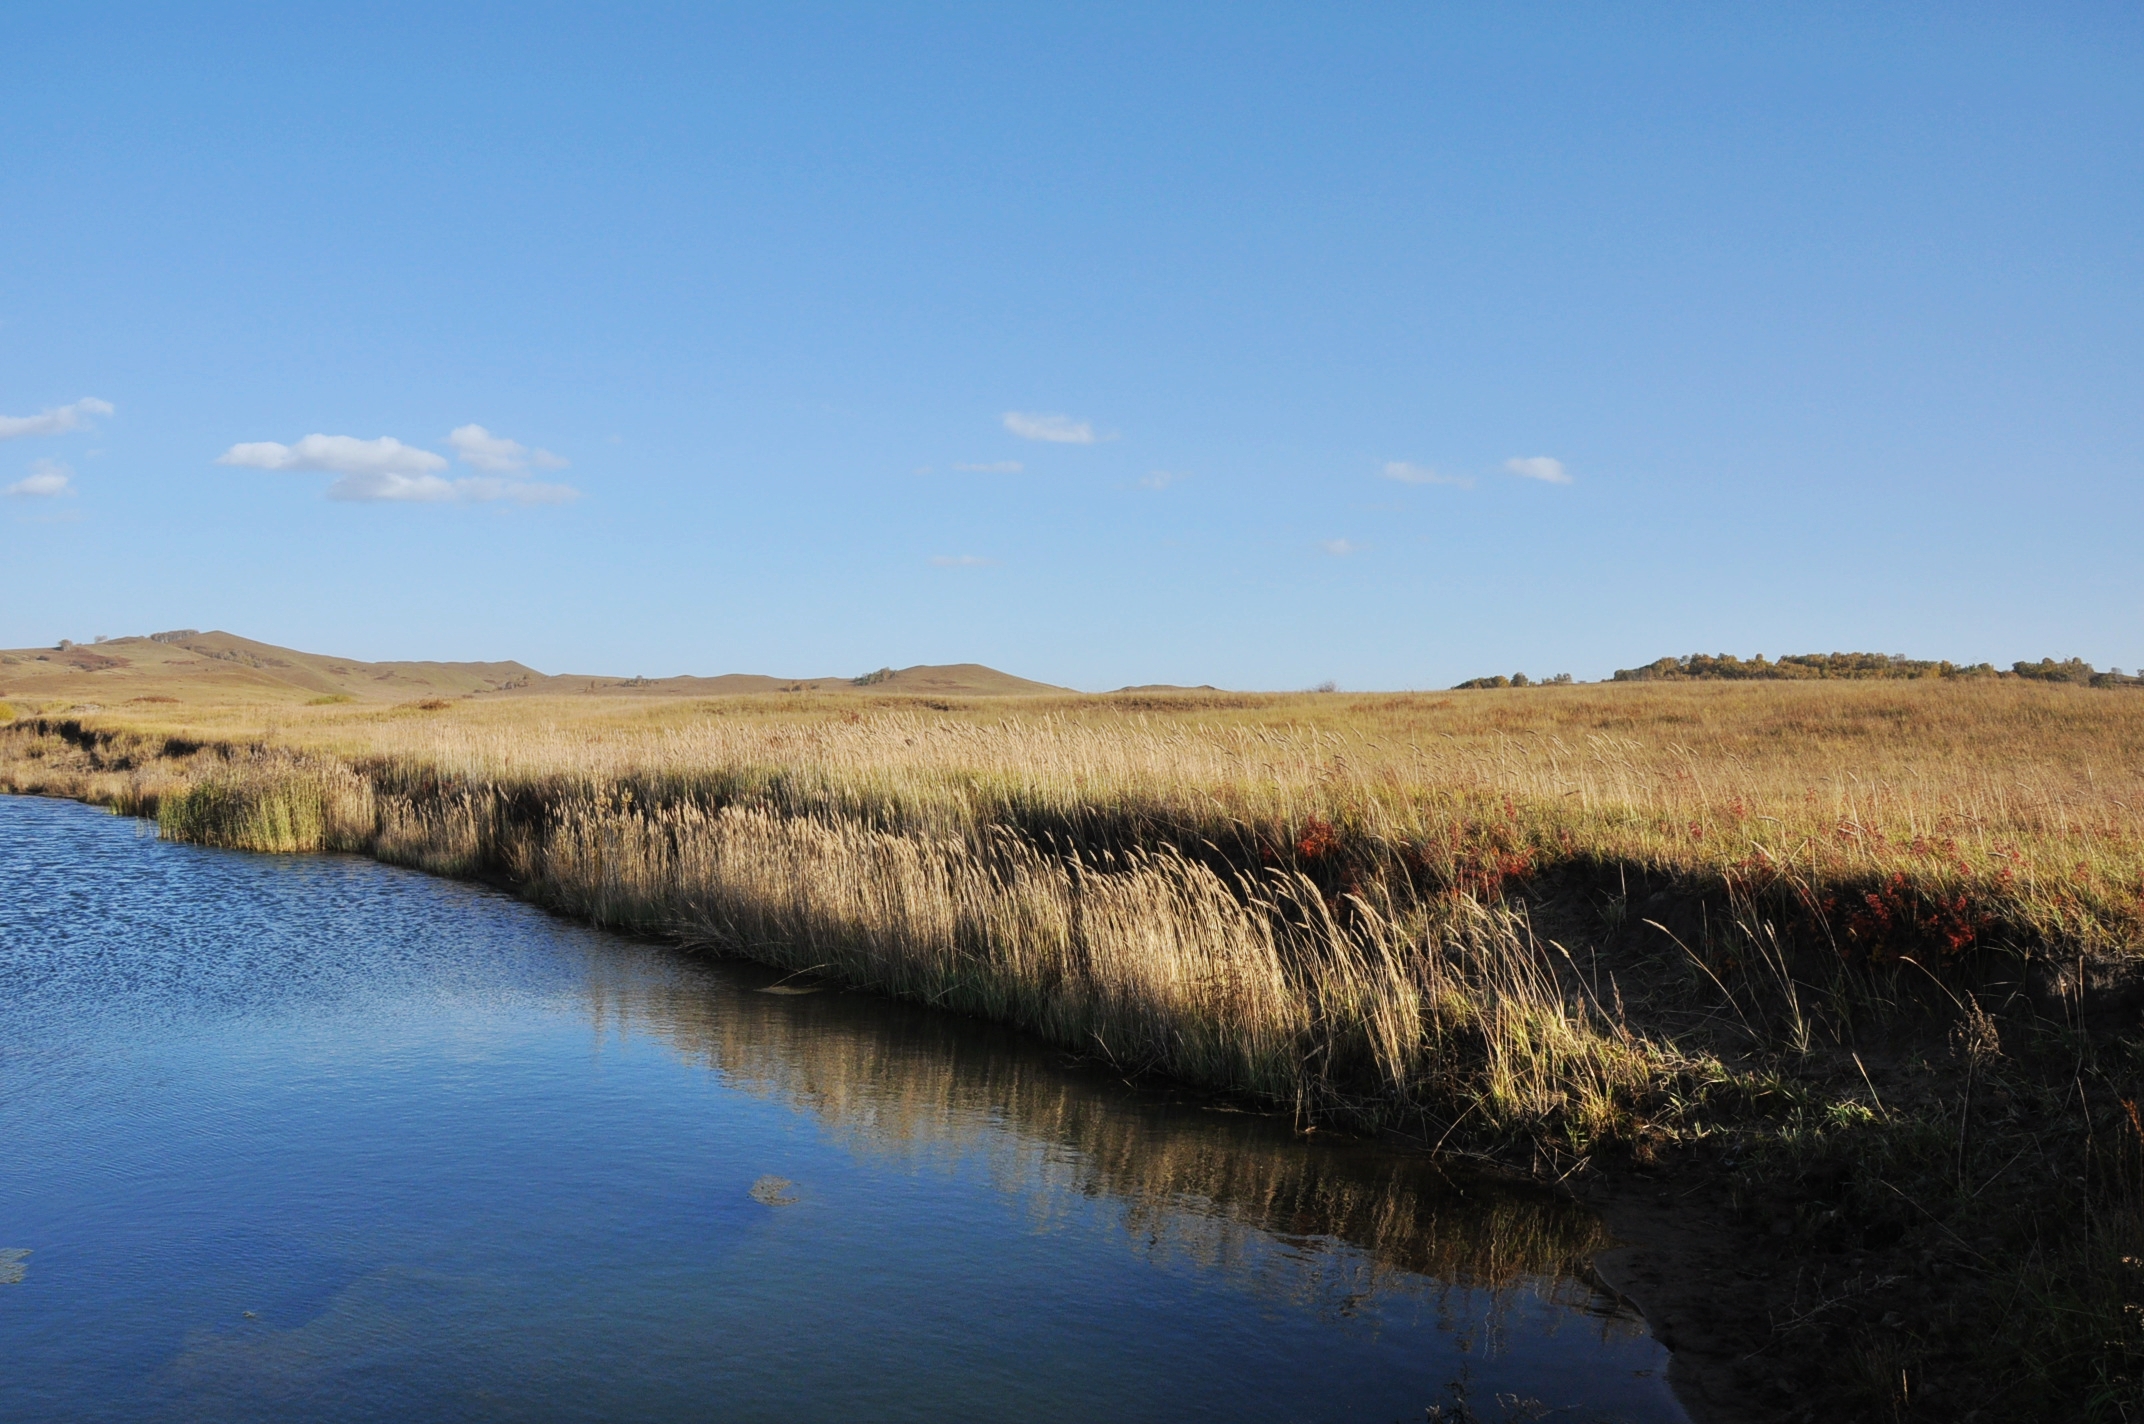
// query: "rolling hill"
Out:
[186,665]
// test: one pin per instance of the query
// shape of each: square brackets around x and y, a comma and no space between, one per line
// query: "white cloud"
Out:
[431,489]
[1340,548]
[386,470]
[1538,467]
[392,485]
[47,479]
[56,421]
[339,455]
[994,467]
[960,561]
[1057,429]
[1408,474]
[495,454]
[1162,479]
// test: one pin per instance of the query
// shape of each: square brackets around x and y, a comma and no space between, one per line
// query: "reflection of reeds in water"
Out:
[1336,1223]
[1259,984]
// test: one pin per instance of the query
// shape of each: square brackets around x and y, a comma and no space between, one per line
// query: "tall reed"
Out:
[1254,982]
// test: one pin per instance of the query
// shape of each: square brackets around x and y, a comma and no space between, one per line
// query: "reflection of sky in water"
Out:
[314,1137]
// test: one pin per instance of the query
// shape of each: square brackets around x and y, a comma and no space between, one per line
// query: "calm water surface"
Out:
[315,1138]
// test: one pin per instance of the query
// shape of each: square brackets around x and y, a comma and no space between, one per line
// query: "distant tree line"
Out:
[1807,666]
[1517,679]
[1796,667]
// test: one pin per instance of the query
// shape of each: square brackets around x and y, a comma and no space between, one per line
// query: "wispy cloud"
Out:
[960,561]
[1057,429]
[1410,474]
[337,455]
[394,486]
[993,467]
[1538,467]
[431,489]
[48,479]
[1162,479]
[388,470]
[517,491]
[495,454]
[56,421]
[1340,548]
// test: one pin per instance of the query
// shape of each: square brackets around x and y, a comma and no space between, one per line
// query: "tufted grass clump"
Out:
[274,805]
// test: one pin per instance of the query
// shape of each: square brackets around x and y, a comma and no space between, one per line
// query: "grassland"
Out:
[1850,970]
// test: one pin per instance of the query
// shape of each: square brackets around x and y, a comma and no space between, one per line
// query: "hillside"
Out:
[187,666]
[941,680]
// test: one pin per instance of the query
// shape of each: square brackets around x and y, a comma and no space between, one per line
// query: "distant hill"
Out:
[939,680]
[186,666]
[224,665]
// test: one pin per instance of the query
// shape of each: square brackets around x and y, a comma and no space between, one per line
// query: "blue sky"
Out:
[1106,345]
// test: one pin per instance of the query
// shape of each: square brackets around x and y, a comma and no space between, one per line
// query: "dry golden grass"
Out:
[1251,981]
[2026,798]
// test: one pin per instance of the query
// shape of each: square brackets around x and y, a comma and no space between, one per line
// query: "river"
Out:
[312,1137]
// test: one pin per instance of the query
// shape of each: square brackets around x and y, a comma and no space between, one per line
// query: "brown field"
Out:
[1857,959]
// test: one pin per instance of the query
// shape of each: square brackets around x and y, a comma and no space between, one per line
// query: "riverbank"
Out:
[1839,970]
